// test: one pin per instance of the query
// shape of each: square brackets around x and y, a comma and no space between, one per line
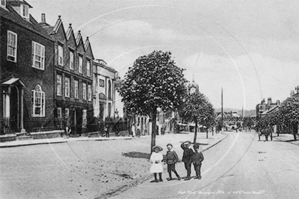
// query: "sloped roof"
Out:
[12,2]
[87,45]
[103,65]
[11,15]
[69,31]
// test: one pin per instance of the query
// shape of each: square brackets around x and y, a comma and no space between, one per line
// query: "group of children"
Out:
[189,157]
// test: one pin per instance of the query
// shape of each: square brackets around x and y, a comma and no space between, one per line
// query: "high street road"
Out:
[238,167]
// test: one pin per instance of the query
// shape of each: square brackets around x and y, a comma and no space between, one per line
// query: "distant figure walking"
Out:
[187,157]
[171,159]
[156,160]
[197,160]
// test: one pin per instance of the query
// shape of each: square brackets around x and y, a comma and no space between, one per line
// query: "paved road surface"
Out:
[238,167]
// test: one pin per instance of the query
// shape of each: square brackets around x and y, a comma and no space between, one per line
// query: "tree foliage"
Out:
[287,114]
[199,110]
[153,81]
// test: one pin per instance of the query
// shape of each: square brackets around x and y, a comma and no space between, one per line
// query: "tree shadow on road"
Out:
[135,154]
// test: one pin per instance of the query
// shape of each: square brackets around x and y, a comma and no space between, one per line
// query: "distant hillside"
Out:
[247,113]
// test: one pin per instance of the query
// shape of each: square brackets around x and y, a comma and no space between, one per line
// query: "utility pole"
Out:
[222,110]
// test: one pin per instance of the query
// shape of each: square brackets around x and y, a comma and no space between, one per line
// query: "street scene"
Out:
[149,99]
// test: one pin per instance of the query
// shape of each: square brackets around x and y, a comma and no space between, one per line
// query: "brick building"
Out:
[73,63]
[26,70]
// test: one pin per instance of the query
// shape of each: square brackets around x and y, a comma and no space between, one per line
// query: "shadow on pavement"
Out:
[135,154]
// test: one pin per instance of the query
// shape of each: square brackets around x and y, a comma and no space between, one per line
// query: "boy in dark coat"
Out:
[197,159]
[187,158]
[171,160]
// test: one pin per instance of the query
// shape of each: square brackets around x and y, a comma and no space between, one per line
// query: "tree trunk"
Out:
[153,136]
[206,133]
[196,127]
[295,131]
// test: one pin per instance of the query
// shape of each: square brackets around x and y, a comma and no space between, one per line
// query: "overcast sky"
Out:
[248,48]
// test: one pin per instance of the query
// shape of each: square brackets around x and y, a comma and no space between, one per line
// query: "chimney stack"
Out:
[43,18]
[269,101]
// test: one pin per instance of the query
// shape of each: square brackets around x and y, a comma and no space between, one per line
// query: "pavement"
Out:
[289,138]
[18,143]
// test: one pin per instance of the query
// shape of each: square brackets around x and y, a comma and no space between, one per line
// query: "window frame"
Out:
[3,5]
[84,91]
[67,110]
[14,48]
[80,62]
[42,102]
[60,53]
[88,68]
[67,87]
[24,14]
[59,112]
[76,89]
[89,92]
[59,90]
[33,55]
[101,83]
[71,61]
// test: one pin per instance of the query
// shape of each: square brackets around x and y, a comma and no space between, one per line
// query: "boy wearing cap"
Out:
[197,159]
[187,157]
[171,160]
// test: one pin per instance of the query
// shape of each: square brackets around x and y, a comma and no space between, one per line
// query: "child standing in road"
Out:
[197,159]
[156,163]
[187,157]
[171,160]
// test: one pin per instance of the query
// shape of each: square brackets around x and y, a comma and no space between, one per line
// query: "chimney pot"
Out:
[43,18]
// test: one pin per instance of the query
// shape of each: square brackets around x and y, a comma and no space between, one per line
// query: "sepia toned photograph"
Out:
[149,99]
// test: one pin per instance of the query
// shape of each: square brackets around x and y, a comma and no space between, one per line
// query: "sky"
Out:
[248,48]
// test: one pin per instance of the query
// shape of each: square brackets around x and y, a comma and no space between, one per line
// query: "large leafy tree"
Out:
[290,111]
[199,110]
[286,115]
[154,81]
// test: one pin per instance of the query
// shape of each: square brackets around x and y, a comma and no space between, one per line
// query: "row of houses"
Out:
[264,108]
[49,75]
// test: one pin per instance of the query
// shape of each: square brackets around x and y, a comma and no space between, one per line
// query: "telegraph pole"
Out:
[222,110]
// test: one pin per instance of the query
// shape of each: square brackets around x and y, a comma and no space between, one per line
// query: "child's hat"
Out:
[158,147]
[170,145]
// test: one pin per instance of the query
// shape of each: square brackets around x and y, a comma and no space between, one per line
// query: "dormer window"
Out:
[24,11]
[3,3]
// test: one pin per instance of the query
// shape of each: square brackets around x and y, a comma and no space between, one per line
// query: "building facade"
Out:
[26,71]
[73,61]
[263,108]
[104,95]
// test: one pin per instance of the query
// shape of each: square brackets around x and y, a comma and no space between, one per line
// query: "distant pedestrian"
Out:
[156,160]
[171,159]
[197,160]
[107,130]
[187,157]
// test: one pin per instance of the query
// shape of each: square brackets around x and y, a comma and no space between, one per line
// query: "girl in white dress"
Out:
[156,160]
